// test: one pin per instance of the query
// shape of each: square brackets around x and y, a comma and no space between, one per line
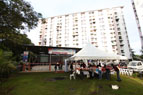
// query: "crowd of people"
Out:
[95,70]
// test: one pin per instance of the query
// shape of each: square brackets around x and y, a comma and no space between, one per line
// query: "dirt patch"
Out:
[55,79]
[72,89]
[51,80]
[59,78]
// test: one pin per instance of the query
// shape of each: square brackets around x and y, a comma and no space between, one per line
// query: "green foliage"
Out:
[6,64]
[136,57]
[32,57]
[17,14]
[17,38]
[15,43]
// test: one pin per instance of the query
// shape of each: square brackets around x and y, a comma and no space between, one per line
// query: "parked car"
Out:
[137,66]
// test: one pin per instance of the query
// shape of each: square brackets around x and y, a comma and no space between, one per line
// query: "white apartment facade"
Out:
[104,28]
[138,10]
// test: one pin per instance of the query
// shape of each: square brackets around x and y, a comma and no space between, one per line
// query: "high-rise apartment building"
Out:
[138,10]
[104,28]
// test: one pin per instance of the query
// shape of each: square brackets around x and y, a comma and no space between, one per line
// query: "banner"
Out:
[25,56]
[61,51]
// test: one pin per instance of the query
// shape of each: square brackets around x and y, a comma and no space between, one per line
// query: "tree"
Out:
[134,56]
[133,53]
[16,43]
[16,15]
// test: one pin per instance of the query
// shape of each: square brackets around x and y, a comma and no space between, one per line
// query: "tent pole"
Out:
[66,67]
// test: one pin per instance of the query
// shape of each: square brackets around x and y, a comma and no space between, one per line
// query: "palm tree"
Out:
[6,65]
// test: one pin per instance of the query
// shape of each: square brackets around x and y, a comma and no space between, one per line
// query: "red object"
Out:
[23,67]
[49,67]
[103,69]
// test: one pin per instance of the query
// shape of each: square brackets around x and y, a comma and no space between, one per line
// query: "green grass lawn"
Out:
[45,84]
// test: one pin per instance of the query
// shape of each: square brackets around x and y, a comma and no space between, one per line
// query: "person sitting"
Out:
[91,73]
[89,65]
[84,65]
[81,74]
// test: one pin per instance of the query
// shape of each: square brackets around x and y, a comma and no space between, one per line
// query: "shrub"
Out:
[6,64]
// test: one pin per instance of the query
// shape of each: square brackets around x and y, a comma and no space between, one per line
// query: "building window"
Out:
[122,51]
[120,37]
[118,29]
[115,13]
[119,33]
[93,22]
[117,19]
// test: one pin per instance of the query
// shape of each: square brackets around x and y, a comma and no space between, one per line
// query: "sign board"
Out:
[61,51]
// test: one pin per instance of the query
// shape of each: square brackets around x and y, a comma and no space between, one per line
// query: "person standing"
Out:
[71,66]
[55,67]
[58,66]
[99,70]
[107,72]
[116,68]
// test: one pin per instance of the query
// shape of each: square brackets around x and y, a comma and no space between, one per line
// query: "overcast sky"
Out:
[50,8]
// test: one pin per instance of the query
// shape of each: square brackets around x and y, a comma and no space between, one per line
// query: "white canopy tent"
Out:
[91,52]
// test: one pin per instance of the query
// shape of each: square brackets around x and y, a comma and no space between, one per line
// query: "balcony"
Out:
[121,45]
[117,19]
